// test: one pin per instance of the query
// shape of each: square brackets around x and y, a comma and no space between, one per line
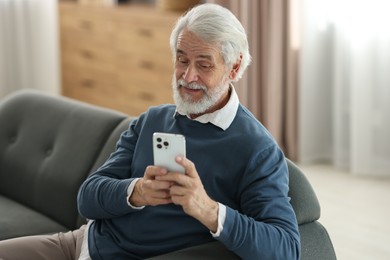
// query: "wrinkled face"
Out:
[200,83]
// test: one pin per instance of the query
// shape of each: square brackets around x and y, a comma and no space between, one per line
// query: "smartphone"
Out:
[166,147]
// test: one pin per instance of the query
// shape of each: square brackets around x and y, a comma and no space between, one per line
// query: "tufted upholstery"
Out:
[48,146]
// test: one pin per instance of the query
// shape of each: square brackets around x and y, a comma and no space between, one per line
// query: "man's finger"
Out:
[188,166]
[152,171]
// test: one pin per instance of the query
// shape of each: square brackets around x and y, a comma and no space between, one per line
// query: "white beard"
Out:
[187,106]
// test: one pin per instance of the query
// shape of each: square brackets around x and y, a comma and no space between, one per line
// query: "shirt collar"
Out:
[223,117]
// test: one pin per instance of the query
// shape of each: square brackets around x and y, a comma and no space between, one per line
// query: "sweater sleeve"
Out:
[104,193]
[265,227]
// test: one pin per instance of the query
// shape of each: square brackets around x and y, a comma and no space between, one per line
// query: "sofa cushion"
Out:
[18,220]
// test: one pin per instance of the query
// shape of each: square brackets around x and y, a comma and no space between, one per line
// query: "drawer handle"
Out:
[148,65]
[146,96]
[145,33]
[88,83]
[86,25]
[87,54]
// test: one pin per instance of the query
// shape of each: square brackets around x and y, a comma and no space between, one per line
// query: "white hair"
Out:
[216,24]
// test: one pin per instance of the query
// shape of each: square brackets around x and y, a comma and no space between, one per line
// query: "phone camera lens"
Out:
[159,146]
[166,143]
[159,140]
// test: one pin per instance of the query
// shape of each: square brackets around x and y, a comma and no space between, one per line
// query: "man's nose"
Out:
[190,74]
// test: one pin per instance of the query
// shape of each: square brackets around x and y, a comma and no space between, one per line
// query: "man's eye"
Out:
[182,60]
[205,66]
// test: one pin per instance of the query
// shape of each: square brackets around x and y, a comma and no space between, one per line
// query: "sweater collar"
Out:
[223,117]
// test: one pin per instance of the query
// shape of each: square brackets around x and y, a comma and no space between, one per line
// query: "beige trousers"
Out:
[60,246]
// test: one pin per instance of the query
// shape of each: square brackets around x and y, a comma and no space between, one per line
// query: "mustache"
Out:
[192,85]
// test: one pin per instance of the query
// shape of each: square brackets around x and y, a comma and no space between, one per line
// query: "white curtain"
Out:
[345,84]
[29,46]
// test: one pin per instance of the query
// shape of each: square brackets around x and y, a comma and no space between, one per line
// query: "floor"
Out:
[355,210]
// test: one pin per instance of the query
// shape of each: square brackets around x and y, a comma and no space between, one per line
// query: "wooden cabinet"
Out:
[117,57]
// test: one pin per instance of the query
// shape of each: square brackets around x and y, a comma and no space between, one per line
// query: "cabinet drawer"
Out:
[70,38]
[110,90]
[151,65]
[146,29]
[148,79]
[142,38]
[141,95]
[88,57]
[90,20]
[95,87]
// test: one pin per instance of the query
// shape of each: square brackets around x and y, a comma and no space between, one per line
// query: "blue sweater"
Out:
[241,167]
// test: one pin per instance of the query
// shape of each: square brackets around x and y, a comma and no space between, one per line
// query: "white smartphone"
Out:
[166,147]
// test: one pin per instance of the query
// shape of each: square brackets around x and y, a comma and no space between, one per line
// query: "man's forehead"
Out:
[198,55]
[190,44]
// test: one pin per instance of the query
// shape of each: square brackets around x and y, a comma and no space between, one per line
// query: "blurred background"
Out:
[319,82]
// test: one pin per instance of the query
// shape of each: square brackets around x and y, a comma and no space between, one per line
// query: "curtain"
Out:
[345,85]
[269,87]
[29,46]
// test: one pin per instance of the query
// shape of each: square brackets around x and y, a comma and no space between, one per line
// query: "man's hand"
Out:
[187,190]
[149,190]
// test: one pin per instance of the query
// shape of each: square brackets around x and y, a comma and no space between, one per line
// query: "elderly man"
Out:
[235,186]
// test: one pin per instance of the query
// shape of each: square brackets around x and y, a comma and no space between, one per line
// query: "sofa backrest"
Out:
[106,150]
[48,146]
[111,142]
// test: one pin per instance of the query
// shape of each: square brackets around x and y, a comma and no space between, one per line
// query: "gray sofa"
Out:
[49,145]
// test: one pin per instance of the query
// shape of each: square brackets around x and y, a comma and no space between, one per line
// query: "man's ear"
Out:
[235,69]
